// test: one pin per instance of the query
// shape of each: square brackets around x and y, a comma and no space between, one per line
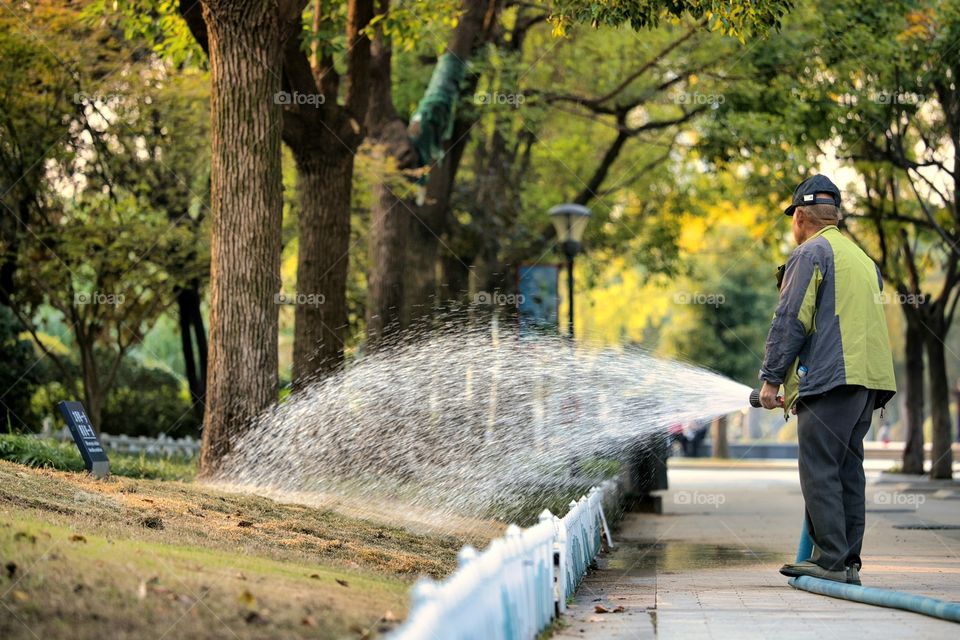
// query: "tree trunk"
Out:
[421,273]
[324,182]
[390,217]
[246,203]
[941,454]
[192,331]
[430,224]
[718,435]
[92,392]
[389,220]
[913,389]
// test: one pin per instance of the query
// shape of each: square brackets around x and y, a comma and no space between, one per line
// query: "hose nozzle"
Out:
[755,398]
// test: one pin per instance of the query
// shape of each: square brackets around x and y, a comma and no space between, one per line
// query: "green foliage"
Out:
[63,456]
[18,377]
[149,402]
[731,17]
[155,22]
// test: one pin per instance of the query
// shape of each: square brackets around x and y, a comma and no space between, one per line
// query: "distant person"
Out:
[829,348]
[694,435]
[884,431]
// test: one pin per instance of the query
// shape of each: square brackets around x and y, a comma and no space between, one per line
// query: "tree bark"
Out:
[246,45]
[718,435]
[192,331]
[92,390]
[423,296]
[324,182]
[389,221]
[913,388]
[324,139]
[389,214]
[941,454]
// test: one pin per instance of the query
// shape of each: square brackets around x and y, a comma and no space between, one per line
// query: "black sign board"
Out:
[94,457]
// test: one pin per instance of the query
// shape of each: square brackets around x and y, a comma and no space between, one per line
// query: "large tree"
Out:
[246,43]
[393,211]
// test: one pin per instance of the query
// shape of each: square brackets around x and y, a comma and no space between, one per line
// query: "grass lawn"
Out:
[142,557]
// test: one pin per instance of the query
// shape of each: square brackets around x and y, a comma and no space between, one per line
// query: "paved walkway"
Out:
[707,568]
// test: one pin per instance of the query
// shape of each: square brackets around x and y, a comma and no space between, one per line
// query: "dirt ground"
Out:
[126,558]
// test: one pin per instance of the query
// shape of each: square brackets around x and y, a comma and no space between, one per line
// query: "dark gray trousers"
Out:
[830,429]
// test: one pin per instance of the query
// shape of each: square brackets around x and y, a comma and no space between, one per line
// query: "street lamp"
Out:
[570,220]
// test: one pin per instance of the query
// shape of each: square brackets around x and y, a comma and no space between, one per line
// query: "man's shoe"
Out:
[853,575]
[812,569]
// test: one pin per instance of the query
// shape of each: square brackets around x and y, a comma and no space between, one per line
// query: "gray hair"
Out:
[821,214]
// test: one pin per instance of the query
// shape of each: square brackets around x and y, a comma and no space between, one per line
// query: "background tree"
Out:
[875,89]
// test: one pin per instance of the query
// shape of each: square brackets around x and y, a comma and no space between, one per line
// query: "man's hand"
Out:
[768,396]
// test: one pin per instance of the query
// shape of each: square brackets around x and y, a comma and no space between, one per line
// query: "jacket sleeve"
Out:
[794,319]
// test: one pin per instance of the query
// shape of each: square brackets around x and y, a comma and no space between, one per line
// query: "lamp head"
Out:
[570,221]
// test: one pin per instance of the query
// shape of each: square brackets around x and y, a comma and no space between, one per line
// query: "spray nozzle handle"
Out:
[755,398]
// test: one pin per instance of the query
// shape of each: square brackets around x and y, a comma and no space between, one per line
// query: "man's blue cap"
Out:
[806,193]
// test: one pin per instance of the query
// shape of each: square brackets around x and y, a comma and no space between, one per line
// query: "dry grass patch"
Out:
[126,558]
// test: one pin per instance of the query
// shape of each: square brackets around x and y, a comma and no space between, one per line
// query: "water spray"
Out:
[474,422]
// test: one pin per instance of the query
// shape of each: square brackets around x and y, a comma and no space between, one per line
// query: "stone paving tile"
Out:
[711,572]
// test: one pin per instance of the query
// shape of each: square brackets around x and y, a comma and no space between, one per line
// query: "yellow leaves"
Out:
[619,306]
[247,599]
[692,234]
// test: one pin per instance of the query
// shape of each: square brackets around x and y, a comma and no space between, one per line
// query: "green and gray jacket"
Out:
[829,320]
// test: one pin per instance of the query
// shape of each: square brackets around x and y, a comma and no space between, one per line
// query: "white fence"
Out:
[162,445]
[518,585]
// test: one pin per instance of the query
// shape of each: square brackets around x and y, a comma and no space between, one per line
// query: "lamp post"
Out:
[570,220]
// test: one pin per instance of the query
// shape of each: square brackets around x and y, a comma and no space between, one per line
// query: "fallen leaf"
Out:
[255,617]
[20,596]
[23,535]
[308,621]
[11,568]
[247,598]
[342,583]
[77,538]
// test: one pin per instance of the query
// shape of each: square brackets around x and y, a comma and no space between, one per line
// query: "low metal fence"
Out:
[159,446]
[518,585]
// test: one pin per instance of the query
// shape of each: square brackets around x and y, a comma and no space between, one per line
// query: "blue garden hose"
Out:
[870,595]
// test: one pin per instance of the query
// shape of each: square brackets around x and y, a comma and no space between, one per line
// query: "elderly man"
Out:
[828,346]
